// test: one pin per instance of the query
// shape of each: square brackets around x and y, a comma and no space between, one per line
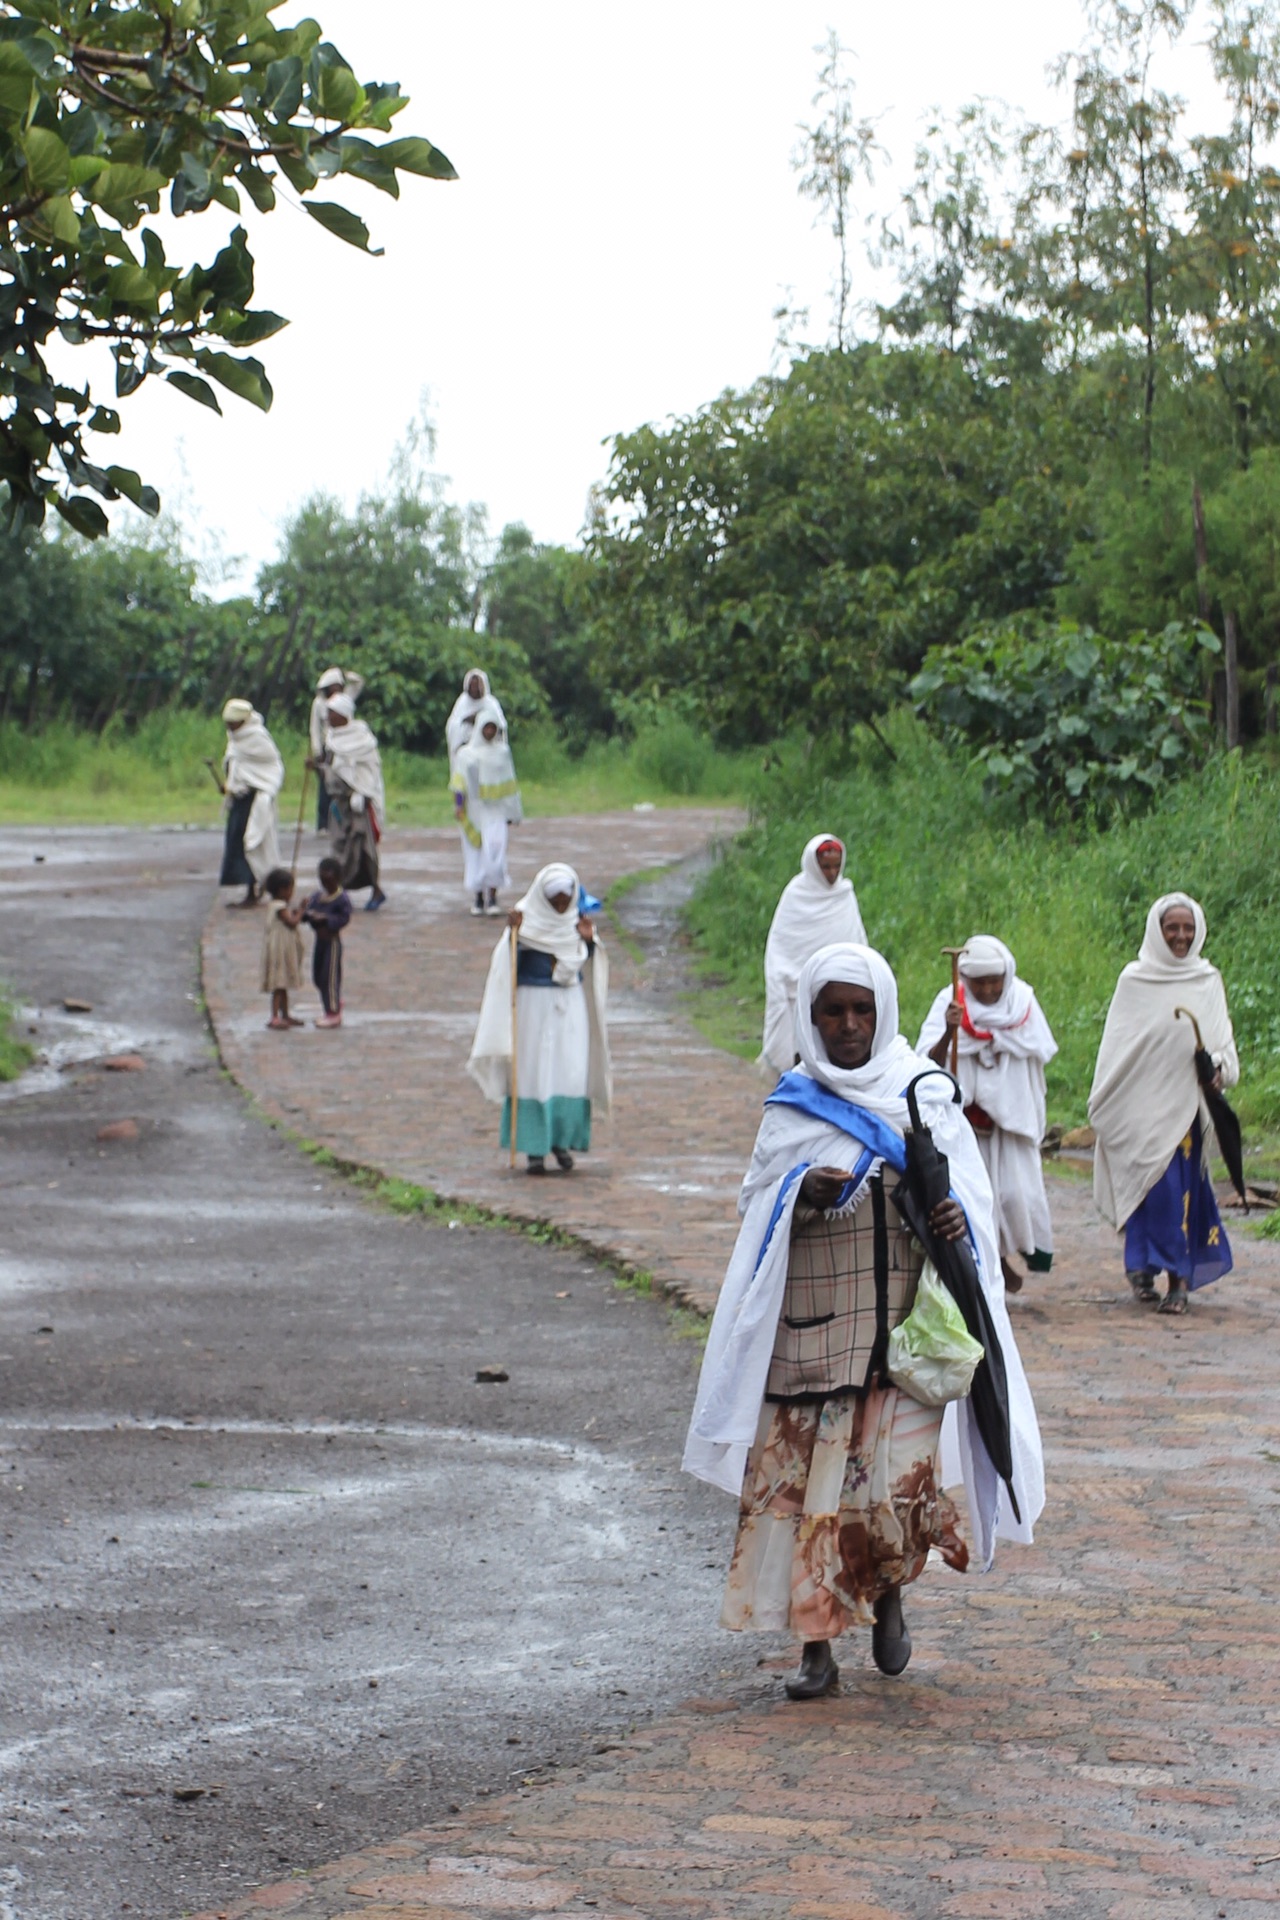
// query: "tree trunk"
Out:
[1231,678]
[33,689]
[1269,707]
[1202,553]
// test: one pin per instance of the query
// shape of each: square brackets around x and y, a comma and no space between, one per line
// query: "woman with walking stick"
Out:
[541,1045]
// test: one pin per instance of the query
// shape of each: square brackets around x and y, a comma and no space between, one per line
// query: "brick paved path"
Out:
[1091,1730]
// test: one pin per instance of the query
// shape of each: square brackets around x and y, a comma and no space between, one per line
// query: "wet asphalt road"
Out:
[263,1533]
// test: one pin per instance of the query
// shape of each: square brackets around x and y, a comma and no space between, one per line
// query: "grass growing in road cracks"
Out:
[15,1054]
[404,1197]
[154,775]
[933,862]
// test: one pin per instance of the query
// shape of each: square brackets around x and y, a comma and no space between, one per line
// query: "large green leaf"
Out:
[417,156]
[85,515]
[47,160]
[246,378]
[130,484]
[17,80]
[340,220]
[194,387]
[282,93]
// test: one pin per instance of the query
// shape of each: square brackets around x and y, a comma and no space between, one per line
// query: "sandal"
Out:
[1176,1299]
[564,1159]
[537,1164]
[1143,1286]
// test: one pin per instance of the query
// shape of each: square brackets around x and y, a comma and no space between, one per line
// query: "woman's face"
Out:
[475,687]
[845,1017]
[490,729]
[830,861]
[1178,926]
[337,719]
[562,902]
[986,989]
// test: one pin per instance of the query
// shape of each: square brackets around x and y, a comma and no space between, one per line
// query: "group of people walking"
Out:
[862,1360]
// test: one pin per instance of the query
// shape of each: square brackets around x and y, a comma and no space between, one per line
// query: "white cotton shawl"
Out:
[252,764]
[489,1063]
[459,728]
[486,773]
[354,757]
[1001,1064]
[812,912]
[740,1346]
[1145,1092]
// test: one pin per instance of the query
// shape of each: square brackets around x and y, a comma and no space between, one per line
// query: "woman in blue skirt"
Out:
[1150,1171]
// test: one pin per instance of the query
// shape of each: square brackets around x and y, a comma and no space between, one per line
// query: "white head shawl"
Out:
[878,1086]
[353,754]
[1145,1093]
[812,912]
[252,759]
[984,956]
[342,703]
[331,677]
[546,930]
[461,726]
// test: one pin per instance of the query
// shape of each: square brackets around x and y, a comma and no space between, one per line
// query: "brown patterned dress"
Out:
[840,1499]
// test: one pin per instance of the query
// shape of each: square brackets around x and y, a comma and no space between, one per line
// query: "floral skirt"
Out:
[840,1502]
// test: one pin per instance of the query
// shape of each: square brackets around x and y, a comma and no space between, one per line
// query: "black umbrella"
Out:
[926,1181]
[1226,1121]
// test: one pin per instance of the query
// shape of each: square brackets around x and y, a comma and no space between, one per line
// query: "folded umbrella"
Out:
[926,1181]
[1226,1121]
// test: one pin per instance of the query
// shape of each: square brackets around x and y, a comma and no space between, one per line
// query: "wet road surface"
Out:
[267,1543]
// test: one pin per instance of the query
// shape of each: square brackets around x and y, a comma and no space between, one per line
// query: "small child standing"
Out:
[328,912]
[281,949]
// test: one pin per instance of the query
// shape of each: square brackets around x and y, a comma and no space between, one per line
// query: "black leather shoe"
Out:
[890,1641]
[818,1672]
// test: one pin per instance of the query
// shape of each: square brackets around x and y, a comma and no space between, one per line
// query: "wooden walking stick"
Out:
[515,968]
[302,801]
[955,953]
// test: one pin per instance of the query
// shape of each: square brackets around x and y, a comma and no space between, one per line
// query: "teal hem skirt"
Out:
[544,1125]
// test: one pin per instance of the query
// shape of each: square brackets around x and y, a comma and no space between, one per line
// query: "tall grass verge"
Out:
[15,1054]
[932,863]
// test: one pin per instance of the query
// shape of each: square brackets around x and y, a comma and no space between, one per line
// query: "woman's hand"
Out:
[941,1047]
[515,919]
[822,1186]
[948,1221]
[586,928]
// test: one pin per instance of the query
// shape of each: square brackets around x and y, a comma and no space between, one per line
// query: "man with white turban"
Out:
[1003,1045]
[352,772]
[1147,1107]
[253,774]
[560,1044]
[839,1472]
[332,681]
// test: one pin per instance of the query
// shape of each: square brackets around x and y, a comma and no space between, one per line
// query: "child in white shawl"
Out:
[560,1043]
[819,908]
[486,803]
[1004,1046]
[1146,1107]
[840,1482]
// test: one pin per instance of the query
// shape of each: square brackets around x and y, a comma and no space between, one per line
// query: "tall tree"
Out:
[834,152]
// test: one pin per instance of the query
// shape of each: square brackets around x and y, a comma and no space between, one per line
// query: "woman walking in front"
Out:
[838,1471]
[1150,1179]
[560,1044]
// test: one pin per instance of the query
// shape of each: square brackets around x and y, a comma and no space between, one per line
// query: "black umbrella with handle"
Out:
[926,1181]
[1226,1121]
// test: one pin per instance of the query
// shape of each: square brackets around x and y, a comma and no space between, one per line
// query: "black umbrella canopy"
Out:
[1226,1121]
[926,1181]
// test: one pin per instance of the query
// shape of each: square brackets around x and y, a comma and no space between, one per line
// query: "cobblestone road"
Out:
[1090,1730]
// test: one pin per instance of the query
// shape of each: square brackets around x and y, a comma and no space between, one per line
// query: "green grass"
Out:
[15,1054]
[154,775]
[933,863]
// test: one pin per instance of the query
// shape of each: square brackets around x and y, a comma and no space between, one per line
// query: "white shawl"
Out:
[740,1346]
[354,757]
[459,728]
[485,774]
[252,764]
[1145,1093]
[353,685]
[812,912]
[1001,1063]
[490,1060]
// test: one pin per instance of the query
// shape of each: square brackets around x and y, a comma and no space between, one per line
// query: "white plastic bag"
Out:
[932,1355]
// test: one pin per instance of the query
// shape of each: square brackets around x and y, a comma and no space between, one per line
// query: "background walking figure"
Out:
[253,774]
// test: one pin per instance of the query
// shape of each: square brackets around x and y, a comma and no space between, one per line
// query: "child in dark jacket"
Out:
[327,913]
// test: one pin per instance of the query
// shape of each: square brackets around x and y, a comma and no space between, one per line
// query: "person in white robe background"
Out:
[486,802]
[840,1488]
[561,1042]
[252,776]
[333,680]
[459,728]
[1004,1044]
[1146,1106]
[352,772]
[818,908]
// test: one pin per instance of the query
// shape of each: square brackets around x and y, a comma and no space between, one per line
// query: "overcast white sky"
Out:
[625,223]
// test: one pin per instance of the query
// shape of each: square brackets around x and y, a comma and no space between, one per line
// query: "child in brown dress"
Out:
[281,949]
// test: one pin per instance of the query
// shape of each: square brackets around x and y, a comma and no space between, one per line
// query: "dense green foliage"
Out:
[933,861]
[104,109]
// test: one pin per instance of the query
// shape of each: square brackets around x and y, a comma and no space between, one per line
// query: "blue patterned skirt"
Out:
[1178,1229]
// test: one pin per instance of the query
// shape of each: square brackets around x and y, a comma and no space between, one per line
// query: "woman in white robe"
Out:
[252,776]
[333,681]
[1147,1108]
[352,770]
[840,1483]
[1004,1045]
[486,800]
[562,1068]
[459,728]
[818,908]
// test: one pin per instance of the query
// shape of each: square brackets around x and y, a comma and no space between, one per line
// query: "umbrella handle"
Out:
[1195,1024]
[913,1106]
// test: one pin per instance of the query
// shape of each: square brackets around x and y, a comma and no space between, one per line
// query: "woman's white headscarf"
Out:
[812,912]
[548,931]
[735,1369]
[461,726]
[1145,1093]
[1001,1062]
[353,754]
